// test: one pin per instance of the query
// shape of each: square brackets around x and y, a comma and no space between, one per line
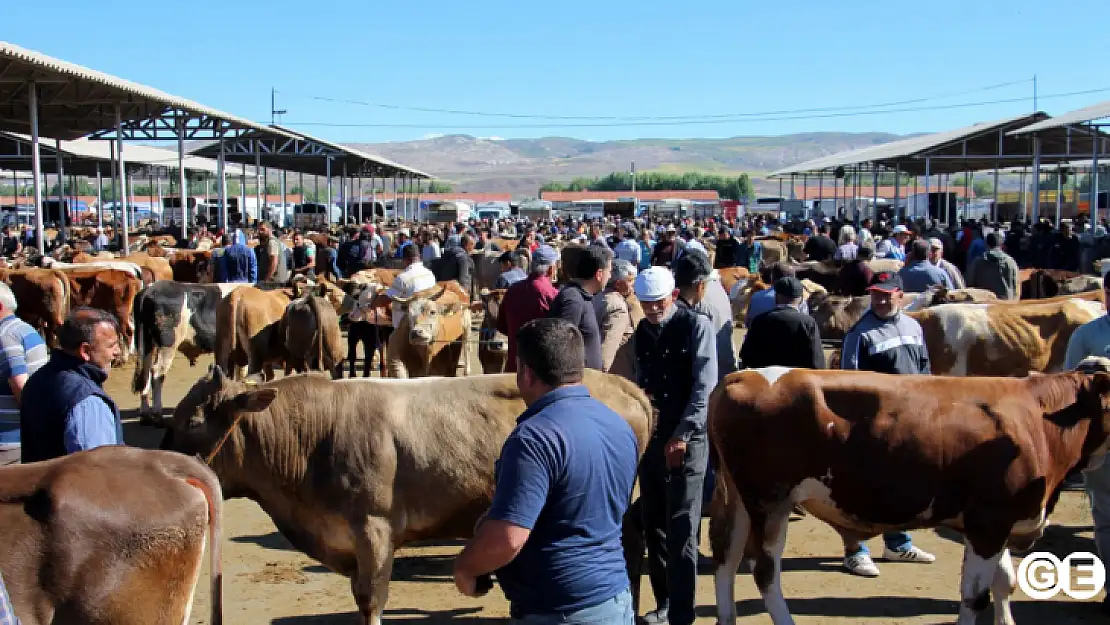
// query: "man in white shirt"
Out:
[414,279]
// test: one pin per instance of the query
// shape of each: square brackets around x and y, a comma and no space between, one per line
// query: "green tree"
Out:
[745,189]
[435,186]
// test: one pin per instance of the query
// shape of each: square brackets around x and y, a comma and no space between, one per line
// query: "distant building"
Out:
[704,202]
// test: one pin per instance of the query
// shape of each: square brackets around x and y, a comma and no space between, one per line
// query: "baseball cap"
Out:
[935,244]
[788,286]
[889,284]
[900,229]
[545,255]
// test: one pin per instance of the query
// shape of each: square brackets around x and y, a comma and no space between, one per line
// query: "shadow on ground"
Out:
[460,616]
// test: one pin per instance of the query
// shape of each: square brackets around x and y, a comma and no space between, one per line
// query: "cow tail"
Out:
[142,371]
[209,486]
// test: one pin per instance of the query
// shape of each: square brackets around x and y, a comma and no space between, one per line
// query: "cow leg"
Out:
[353,339]
[1003,586]
[729,527]
[632,540]
[768,563]
[978,577]
[370,584]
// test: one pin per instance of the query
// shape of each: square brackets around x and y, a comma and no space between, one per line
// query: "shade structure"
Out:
[82,157]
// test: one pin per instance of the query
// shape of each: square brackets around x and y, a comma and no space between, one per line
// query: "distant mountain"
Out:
[520,166]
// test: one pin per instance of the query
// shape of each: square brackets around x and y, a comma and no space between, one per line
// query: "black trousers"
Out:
[671,501]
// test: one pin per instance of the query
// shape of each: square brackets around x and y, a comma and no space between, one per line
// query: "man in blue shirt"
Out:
[64,406]
[237,263]
[553,532]
[919,274]
[22,352]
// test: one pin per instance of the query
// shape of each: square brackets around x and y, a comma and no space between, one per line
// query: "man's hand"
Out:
[466,584]
[674,452]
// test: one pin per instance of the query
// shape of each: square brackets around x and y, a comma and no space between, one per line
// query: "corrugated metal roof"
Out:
[1079,116]
[901,149]
[87,153]
[574,196]
[145,101]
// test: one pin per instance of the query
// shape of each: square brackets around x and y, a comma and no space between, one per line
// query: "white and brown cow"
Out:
[111,536]
[398,468]
[433,334]
[869,453]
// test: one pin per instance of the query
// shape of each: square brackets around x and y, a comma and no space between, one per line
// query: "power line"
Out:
[699,121]
[664,117]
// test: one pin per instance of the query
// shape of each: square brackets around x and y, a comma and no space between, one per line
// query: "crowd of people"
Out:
[644,301]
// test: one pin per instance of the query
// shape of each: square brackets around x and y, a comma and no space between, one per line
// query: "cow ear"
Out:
[256,400]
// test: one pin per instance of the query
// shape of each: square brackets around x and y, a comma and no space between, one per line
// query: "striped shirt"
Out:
[7,613]
[22,352]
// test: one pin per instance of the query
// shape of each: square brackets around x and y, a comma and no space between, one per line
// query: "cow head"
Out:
[426,315]
[210,409]
[339,299]
[492,340]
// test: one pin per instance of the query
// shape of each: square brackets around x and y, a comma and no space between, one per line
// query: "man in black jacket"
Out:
[728,250]
[456,264]
[575,301]
[784,336]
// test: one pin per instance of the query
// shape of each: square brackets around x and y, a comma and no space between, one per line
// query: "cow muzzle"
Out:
[420,336]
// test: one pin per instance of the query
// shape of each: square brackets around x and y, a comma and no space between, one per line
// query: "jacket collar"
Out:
[73,363]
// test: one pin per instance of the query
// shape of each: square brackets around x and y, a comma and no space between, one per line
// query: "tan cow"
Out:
[433,334]
[870,453]
[1002,339]
[153,267]
[401,465]
[111,536]
[247,336]
[310,332]
[191,266]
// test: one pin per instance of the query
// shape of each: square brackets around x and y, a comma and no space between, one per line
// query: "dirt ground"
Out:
[267,581]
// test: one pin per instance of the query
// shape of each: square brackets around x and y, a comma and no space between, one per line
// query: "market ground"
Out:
[268,582]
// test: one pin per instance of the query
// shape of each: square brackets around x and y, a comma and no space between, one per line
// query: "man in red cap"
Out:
[886,341]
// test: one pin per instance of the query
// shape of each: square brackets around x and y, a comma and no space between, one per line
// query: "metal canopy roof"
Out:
[981,146]
[1079,116]
[305,154]
[82,156]
[75,101]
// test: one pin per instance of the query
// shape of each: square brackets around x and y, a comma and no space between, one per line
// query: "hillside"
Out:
[520,166]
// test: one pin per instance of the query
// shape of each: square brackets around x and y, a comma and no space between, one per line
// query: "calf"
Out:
[191,265]
[351,470]
[112,290]
[111,536]
[248,340]
[869,453]
[170,317]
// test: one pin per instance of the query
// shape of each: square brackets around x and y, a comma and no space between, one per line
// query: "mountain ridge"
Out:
[521,166]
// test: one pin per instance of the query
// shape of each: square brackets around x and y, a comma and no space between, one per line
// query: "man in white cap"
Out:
[676,365]
[894,246]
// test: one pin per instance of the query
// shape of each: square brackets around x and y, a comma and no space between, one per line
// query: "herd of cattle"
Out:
[351,469]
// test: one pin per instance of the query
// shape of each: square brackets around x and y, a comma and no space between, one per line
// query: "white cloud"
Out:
[493,138]
[433,135]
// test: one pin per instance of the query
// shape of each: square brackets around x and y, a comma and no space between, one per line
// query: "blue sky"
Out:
[604,58]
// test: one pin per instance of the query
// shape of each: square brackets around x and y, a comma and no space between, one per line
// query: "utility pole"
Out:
[274,112]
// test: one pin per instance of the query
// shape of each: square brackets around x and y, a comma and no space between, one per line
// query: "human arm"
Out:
[252,268]
[524,476]
[726,350]
[1077,349]
[614,322]
[704,353]
[16,357]
[850,350]
[90,424]
[817,350]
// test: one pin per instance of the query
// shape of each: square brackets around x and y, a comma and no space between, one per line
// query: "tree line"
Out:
[739,188]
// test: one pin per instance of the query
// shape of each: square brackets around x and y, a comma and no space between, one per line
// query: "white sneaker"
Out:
[913,554]
[862,565]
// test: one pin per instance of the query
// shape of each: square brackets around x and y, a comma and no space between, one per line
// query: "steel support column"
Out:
[182,180]
[1036,178]
[327,211]
[897,193]
[121,200]
[928,171]
[260,183]
[1093,202]
[99,200]
[994,204]
[63,208]
[221,165]
[345,183]
[1059,194]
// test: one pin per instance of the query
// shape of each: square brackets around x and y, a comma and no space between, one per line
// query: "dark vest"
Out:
[50,393]
[664,358]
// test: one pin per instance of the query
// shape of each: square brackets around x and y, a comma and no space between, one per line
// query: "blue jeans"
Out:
[615,611]
[895,541]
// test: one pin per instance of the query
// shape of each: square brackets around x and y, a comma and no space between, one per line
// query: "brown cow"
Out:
[869,453]
[310,331]
[433,334]
[111,536]
[836,314]
[113,290]
[191,266]
[399,467]
[43,296]
[153,267]
[493,347]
